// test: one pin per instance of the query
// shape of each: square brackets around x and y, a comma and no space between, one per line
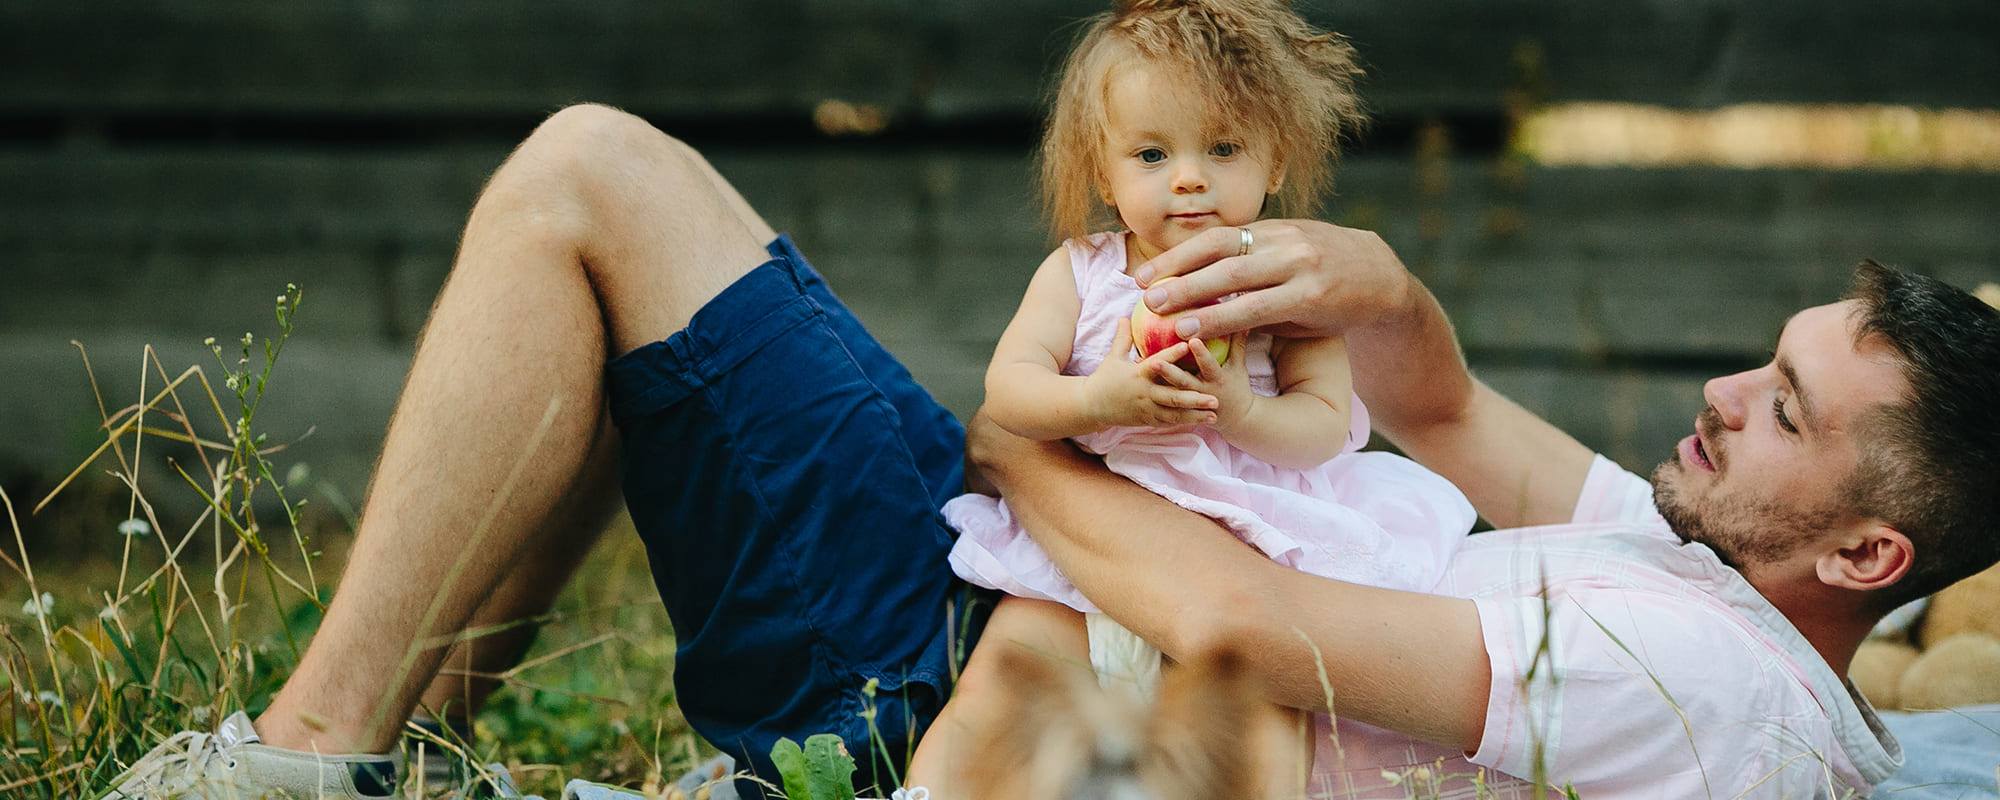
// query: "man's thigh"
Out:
[785,472]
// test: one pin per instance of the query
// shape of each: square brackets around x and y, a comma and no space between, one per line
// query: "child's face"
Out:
[1169,171]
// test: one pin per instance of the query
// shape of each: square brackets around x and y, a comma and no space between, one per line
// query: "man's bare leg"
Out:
[530,589]
[599,235]
[502,629]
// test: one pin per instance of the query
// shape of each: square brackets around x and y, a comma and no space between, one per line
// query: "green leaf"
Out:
[829,769]
[791,764]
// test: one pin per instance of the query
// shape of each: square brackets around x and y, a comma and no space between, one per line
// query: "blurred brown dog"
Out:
[1211,734]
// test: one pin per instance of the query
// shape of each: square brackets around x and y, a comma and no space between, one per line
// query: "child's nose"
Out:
[1190,180]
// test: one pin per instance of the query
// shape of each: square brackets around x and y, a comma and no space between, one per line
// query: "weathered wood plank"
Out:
[938,61]
[1597,302]
[1702,262]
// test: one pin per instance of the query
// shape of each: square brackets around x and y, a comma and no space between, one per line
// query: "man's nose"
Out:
[1727,395]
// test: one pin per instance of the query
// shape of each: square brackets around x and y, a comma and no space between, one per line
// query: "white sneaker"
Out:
[911,793]
[585,790]
[230,764]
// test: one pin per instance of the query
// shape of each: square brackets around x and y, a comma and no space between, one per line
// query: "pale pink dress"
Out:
[1373,518]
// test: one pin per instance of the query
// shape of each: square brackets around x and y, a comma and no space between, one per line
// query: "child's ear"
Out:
[1277,178]
[1103,185]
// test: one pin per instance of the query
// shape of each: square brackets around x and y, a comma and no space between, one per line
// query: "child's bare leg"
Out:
[986,698]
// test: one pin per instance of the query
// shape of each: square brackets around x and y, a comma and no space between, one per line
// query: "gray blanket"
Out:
[1948,755]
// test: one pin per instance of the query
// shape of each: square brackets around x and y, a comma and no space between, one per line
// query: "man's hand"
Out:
[1143,393]
[1302,278]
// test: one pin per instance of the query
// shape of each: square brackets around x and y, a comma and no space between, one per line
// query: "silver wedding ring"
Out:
[1247,241]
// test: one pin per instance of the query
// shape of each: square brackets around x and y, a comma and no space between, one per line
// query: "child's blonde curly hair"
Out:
[1254,64]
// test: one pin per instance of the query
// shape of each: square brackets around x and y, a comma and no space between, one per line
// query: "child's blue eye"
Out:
[1225,149]
[1152,155]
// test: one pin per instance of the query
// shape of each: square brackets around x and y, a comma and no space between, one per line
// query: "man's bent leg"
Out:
[785,472]
[531,587]
[599,234]
[504,626]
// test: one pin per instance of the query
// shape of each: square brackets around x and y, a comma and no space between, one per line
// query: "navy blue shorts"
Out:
[785,473]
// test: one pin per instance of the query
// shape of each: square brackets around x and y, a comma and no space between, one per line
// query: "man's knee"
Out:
[592,133]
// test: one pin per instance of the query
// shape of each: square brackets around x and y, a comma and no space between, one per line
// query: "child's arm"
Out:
[1027,394]
[1302,427]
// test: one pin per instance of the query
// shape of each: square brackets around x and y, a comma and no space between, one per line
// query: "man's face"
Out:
[1760,476]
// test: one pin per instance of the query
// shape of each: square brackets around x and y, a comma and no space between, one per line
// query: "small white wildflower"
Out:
[282,299]
[291,287]
[134,527]
[48,698]
[39,606]
[231,382]
[199,715]
[1423,774]
[210,341]
[298,474]
[247,338]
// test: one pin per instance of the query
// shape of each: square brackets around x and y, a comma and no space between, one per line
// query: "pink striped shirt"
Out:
[1658,672]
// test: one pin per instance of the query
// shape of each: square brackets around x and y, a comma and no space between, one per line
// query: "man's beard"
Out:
[1741,532]
[1686,523]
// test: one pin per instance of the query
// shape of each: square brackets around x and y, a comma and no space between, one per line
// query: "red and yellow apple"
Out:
[1152,333]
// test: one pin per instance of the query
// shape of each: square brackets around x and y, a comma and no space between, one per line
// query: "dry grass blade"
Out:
[111,439]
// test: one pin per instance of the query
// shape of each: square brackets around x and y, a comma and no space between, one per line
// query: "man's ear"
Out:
[1878,558]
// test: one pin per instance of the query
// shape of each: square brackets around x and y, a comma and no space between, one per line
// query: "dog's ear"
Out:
[1067,733]
[1005,751]
[1207,723]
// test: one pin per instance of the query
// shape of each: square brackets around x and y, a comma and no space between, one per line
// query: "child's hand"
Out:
[1140,393]
[1228,383]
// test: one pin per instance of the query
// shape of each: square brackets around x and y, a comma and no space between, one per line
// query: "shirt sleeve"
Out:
[1614,692]
[1611,494]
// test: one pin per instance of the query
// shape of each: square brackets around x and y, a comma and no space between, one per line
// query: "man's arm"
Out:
[1410,662]
[1311,278]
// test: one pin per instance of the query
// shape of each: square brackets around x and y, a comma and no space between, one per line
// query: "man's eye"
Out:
[1152,155]
[1778,410]
[1225,149]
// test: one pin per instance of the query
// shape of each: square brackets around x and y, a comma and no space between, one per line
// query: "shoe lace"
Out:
[179,762]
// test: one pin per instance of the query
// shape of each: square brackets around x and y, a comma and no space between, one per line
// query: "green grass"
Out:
[126,619]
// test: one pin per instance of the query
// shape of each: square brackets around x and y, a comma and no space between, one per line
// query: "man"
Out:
[1686,639]
[614,301]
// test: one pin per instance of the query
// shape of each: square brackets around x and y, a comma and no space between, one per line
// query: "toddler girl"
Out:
[1176,117]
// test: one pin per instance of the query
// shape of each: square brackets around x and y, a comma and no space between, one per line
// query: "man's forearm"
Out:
[1409,662]
[1515,467]
[1407,364]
